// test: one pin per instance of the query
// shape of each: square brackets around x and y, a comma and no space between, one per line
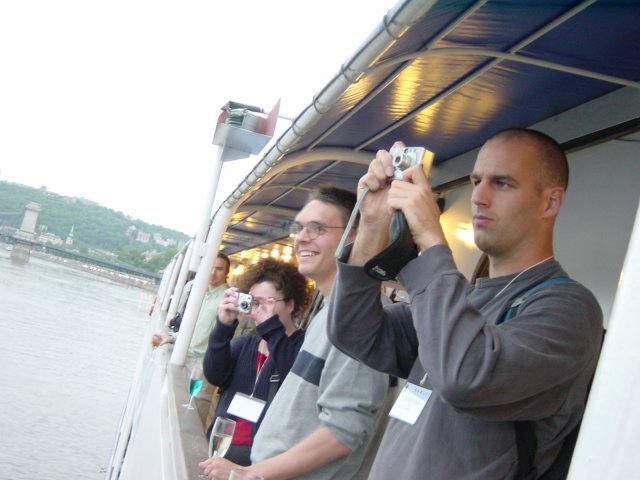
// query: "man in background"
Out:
[204,325]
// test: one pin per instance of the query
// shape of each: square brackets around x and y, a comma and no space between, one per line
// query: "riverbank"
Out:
[113,275]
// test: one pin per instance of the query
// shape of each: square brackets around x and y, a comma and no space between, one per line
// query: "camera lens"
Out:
[244,305]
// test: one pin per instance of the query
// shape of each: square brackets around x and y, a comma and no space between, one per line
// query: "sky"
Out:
[117,101]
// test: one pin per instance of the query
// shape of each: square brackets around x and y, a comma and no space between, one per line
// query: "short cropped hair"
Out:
[284,277]
[554,169]
[344,200]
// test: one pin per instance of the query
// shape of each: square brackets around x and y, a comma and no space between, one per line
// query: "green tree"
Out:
[95,228]
[160,261]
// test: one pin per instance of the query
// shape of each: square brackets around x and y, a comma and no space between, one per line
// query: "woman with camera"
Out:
[250,368]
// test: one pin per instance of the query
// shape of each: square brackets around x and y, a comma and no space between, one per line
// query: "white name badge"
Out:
[244,406]
[410,403]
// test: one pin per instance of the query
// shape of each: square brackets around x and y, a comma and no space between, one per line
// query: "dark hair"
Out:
[284,277]
[226,259]
[344,200]
[555,168]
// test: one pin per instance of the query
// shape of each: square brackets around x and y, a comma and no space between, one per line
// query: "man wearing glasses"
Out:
[324,414]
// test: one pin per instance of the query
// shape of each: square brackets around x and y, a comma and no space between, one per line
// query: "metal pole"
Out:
[200,284]
[182,279]
[201,236]
[175,269]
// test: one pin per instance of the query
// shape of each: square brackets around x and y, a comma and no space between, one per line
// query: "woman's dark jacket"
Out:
[230,363]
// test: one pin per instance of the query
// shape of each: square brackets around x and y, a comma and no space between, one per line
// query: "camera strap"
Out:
[401,249]
[352,219]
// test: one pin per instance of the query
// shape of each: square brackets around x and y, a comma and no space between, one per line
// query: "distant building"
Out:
[169,242]
[143,237]
[27,230]
[52,238]
[20,254]
[69,240]
[157,238]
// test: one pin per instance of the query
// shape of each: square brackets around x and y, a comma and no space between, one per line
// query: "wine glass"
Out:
[153,352]
[220,440]
[196,380]
[221,435]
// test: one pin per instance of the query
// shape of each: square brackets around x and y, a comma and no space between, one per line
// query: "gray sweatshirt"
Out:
[483,376]
[324,388]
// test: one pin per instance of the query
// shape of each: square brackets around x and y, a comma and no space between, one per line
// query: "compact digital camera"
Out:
[401,249]
[406,157]
[243,302]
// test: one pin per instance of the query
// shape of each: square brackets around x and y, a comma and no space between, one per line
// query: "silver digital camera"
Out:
[243,302]
[406,157]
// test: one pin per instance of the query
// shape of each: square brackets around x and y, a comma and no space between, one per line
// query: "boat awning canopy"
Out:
[445,75]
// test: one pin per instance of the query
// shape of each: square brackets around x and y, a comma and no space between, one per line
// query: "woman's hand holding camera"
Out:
[228,308]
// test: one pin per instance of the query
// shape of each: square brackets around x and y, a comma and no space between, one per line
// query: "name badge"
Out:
[244,406]
[410,403]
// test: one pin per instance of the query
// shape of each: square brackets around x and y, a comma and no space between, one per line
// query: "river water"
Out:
[69,345]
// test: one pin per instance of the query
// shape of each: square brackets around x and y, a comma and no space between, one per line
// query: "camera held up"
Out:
[407,157]
[243,302]
[401,249]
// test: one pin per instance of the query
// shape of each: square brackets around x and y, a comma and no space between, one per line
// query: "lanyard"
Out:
[259,369]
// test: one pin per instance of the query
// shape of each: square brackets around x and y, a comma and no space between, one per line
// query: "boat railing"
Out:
[158,437]
[185,443]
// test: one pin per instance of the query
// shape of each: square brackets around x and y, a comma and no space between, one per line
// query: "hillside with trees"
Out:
[96,230]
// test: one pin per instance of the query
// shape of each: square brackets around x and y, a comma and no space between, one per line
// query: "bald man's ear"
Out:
[554,200]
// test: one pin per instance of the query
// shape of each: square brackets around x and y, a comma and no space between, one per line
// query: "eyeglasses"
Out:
[314,229]
[256,304]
